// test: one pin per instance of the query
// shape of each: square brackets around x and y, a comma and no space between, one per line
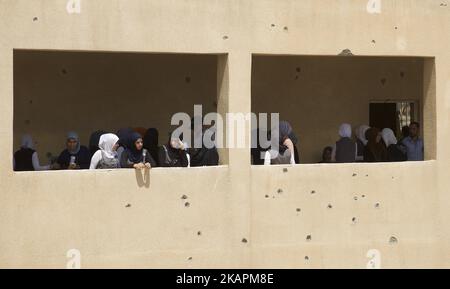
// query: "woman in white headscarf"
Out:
[106,157]
[394,153]
[26,158]
[361,141]
[344,151]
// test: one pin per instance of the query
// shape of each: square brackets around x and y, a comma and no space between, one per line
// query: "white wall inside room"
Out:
[318,93]
[59,91]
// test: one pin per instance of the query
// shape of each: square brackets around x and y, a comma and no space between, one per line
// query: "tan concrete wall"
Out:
[317,94]
[42,215]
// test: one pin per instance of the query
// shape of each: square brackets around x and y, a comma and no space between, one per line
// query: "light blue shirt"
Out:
[414,149]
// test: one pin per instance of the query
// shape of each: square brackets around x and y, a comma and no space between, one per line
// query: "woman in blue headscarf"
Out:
[75,156]
[135,155]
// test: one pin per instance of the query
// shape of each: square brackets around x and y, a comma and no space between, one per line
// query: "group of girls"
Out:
[128,148]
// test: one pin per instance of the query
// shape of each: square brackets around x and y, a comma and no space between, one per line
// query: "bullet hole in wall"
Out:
[64,71]
[373,41]
[354,219]
[298,70]
[330,206]
[308,238]
[30,102]
[244,240]
[184,197]
[190,259]
[306,258]
[396,28]
[225,37]
[280,191]
[443,5]
[354,175]
[199,233]
[346,52]
[285,28]
[128,206]
[363,196]
[313,192]
[272,25]
[285,170]
[402,74]
[393,240]
[266,196]
[298,210]
[383,81]
[35,19]
[355,198]
[187,204]
[377,205]
[188,79]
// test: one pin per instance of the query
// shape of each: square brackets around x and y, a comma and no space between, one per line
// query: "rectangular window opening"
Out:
[84,91]
[316,94]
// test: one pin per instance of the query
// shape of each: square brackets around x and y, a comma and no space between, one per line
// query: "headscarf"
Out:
[361,133]
[134,155]
[345,130]
[27,142]
[285,130]
[376,148]
[124,135]
[388,137]
[106,144]
[140,130]
[293,137]
[74,136]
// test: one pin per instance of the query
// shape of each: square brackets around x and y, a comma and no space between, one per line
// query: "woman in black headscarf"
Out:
[135,155]
[173,154]
[151,140]
[375,150]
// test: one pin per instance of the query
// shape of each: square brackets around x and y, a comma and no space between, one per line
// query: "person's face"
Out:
[413,130]
[115,147]
[72,144]
[139,144]
[175,143]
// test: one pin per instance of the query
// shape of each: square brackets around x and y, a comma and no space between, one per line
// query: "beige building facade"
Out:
[85,65]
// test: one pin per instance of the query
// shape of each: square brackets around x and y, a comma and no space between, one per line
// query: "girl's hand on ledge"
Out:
[139,166]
